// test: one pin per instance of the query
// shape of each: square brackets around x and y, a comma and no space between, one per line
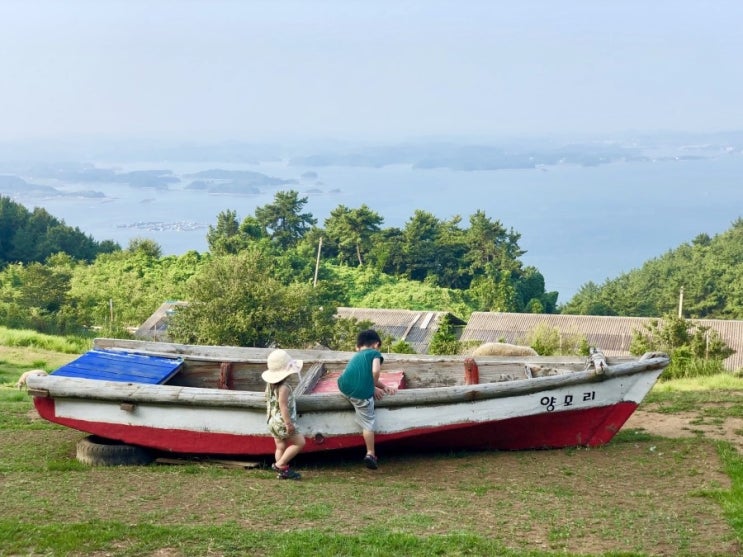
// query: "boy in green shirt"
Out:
[361,385]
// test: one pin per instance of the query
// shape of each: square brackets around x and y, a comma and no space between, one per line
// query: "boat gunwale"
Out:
[257,355]
[93,389]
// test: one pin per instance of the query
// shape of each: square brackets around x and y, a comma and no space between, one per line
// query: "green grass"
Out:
[717,403]
[31,339]
[44,510]
[124,540]
[721,381]
[732,499]
[22,350]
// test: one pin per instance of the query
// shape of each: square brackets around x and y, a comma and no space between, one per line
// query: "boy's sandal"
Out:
[370,461]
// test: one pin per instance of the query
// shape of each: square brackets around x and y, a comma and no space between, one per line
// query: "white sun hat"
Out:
[280,366]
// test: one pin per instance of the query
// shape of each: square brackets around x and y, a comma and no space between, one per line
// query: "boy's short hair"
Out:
[367,338]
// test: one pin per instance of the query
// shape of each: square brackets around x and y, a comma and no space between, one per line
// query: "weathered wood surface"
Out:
[244,464]
[329,357]
[65,387]
[309,379]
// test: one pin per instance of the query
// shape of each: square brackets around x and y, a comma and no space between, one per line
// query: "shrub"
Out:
[402,347]
[444,341]
[549,341]
[695,350]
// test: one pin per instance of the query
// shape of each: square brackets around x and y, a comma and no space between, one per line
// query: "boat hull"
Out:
[559,413]
[585,427]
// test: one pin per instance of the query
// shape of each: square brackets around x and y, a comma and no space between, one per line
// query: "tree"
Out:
[588,301]
[433,248]
[708,270]
[133,284]
[145,246]
[444,341]
[495,291]
[351,231]
[35,296]
[225,236]
[388,251]
[283,219]
[491,245]
[32,237]
[12,217]
[237,300]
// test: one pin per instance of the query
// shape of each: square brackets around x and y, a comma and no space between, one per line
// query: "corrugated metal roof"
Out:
[414,327]
[612,334]
[156,326]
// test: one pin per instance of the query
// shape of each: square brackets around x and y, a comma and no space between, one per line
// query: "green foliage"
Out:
[445,340]
[356,282]
[401,347]
[33,339]
[230,237]
[350,232]
[345,330]
[31,237]
[145,246]
[238,300]
[283,220]
[703,276]
[545,340]
[549,341]
[695,350]
[429,265]
[122,289]
[408,294]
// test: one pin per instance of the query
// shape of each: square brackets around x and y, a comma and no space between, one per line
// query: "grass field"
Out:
[641,494]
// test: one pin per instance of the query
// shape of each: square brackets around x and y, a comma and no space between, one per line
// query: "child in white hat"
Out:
[281,412]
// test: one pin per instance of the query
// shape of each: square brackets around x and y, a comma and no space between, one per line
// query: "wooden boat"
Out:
[209,400]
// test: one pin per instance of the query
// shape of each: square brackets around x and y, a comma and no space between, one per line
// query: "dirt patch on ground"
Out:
[687,424]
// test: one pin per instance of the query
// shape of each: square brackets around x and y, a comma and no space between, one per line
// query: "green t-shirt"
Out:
[357,380]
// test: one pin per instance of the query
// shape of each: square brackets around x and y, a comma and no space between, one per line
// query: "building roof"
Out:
[156,326]
[612,335]
[414,327]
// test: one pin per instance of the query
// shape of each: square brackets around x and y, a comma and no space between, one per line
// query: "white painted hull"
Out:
[585,408]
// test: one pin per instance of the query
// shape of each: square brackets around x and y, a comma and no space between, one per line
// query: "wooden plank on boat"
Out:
[310,379]
[127,367]
[246,465]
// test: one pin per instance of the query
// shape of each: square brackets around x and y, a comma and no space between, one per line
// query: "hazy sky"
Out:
[374,69]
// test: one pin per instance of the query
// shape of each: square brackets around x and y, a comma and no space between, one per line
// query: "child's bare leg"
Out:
[293,446]
[369,441]
[280,449]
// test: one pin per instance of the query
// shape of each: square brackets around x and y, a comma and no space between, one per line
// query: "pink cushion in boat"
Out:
[328,383]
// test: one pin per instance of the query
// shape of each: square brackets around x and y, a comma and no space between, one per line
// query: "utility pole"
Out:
[681,303]
[317,262]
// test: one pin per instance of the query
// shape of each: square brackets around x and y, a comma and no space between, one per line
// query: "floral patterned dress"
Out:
[275,421]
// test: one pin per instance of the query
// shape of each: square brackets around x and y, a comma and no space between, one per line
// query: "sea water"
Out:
[577,224]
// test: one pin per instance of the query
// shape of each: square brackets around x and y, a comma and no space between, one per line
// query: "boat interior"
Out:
[318,374]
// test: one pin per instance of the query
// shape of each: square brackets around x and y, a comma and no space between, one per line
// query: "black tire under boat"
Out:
[98,451]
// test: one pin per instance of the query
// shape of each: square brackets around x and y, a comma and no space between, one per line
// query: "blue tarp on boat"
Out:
[108,365]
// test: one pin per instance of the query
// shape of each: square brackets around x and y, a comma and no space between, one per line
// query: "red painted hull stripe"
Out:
[585,427]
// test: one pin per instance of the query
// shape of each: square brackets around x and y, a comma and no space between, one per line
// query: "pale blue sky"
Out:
[190,70]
